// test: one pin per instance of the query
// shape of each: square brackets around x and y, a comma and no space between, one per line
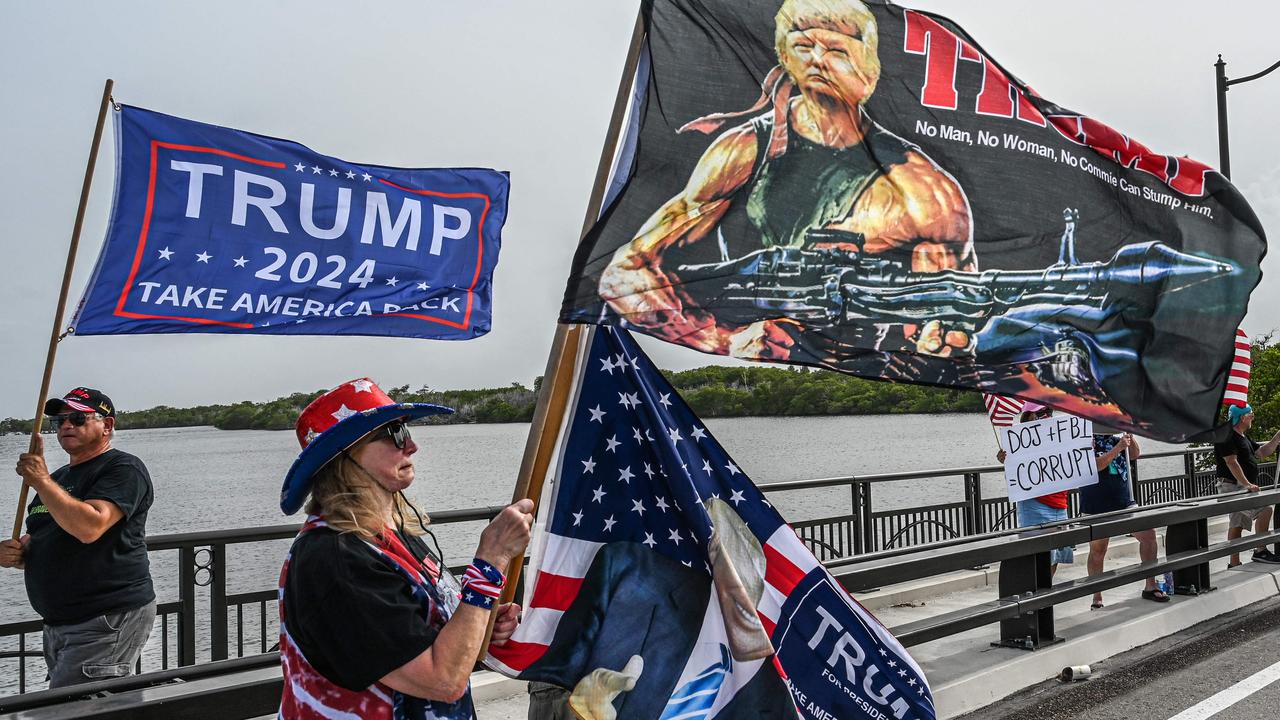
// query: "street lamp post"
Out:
[1224,153]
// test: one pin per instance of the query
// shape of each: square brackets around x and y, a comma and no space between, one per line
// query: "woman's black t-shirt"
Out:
[350,613]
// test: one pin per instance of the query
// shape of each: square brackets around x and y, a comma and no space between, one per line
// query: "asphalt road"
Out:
[1227,668]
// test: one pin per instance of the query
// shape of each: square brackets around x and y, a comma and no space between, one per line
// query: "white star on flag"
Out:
[648,540]
[606,364]
[597,415]
[299,167]
[165,253]
[203,257]
[674,434]
[240,261]
[625,475]
[675,537]
[423,286]
[736,498]
[609,522]
[577,519]
[733,469]
[351,175]
[392,280]
[706,466]
[662,504]
[315,170]
[637,506]
[333,173]
[588,466]
[698,434]
[598,493]
[366,177]
[612,444]
[362,385]
[343,412]
[664,399]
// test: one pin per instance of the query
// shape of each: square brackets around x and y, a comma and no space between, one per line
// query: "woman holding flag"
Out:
[372,624]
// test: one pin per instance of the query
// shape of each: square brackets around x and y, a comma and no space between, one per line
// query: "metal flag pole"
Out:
[560,376]
[62,298]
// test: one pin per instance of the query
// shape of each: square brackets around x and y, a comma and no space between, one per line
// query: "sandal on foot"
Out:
[1096,606]
[1232,565]
[1155,596]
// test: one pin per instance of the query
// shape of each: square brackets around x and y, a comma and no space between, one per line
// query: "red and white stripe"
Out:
[1238,382]
[563,566]
[1002,411]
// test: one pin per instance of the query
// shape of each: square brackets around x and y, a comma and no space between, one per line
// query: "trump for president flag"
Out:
[219,230]
[664,584]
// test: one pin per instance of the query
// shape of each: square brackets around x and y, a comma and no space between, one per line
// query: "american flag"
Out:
[1002,411]
[1238,382]
[640,469]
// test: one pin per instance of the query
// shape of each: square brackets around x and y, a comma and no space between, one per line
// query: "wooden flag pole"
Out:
[559,378]
[62,298]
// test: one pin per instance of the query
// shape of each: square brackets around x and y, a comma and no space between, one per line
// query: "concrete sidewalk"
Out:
[965,672]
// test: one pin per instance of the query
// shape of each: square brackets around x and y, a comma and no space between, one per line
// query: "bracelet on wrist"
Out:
[482,584]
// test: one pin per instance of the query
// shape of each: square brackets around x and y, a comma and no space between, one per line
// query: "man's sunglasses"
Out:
[77,418]
[397,430]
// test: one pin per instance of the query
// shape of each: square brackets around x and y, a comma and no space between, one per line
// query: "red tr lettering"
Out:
[943,51]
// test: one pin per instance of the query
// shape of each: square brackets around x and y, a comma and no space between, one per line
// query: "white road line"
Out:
[1232,695]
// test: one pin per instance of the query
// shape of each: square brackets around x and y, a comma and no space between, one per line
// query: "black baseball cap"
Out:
[83,399]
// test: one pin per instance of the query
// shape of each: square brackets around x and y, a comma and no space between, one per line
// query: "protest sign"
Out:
[1048,456]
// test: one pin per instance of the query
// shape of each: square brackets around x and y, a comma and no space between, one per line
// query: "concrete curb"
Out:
[979,675]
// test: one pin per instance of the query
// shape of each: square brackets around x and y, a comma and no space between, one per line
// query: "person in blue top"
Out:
[1114,491]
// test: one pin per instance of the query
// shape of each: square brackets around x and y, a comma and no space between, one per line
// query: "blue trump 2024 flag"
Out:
[219,230]
[666,585]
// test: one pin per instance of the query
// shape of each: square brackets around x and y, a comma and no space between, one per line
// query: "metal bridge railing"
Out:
[207,623]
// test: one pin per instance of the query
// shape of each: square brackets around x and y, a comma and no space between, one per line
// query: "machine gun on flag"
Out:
[830,286]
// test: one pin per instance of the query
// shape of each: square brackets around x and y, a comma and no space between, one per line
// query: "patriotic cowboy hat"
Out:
[334,422]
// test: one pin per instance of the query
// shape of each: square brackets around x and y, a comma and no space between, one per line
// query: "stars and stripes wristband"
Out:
[482,584]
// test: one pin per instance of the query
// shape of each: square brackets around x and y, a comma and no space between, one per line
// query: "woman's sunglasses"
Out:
[397,430]
[77,418]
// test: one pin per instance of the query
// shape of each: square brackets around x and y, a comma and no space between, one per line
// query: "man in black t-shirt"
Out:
[85,555]
[1237,460]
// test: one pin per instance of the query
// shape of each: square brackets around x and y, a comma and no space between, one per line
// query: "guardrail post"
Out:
[1026,574]
[218,602]
[1189,482]
[856,501]
[975,523]
[868,529]
[187,605]
[1181,537]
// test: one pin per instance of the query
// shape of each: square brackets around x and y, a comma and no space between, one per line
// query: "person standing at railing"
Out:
[84,557]
[1046,508]
[1114,491]
[372,623]
[1237,460]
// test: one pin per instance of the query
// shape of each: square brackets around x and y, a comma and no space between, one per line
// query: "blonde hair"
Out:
[345,494]
[847,17]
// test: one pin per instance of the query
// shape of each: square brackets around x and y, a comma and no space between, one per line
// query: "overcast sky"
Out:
[509,84]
